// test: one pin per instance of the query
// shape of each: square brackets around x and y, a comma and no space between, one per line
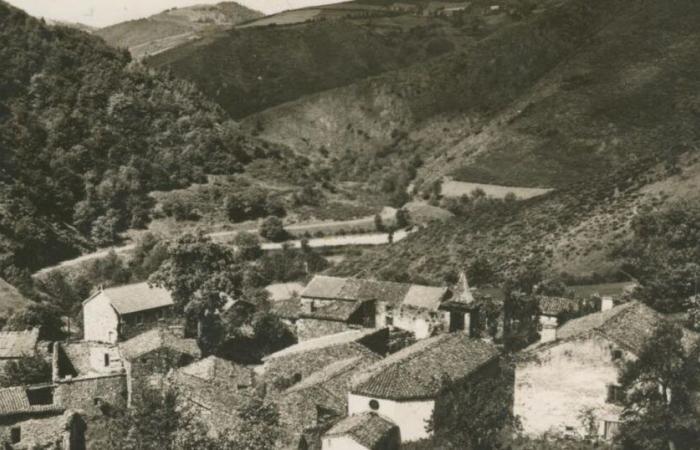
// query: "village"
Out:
[371,363]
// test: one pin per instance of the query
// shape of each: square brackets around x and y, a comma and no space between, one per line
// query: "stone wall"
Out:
[65,431]
[313,328]
[89,393]
[554,385]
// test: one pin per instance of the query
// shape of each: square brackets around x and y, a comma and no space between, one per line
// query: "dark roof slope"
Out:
[287,309]
[556,306]
[368,429]
[336,311]
[416,372]
[629,325]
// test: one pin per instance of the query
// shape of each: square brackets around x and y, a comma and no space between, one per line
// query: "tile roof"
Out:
[417,371]
[629,325]
[15,344]
[14,400]
[334,371]
[330,340]
[368,429]
[138,297]
[158,338]
[353,289]
[216,370]
[556,306]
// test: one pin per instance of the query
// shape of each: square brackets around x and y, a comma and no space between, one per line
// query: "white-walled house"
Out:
[577,372]
[405,386]
[110,312]
[366,431]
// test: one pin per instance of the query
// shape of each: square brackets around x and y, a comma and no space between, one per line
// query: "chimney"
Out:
[548,334]
[606,303]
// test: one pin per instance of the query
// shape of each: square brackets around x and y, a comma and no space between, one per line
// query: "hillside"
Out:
[154,34]
[596,99]
[255,67]
[86,135]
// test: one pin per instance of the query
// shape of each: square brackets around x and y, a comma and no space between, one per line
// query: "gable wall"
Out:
[410,416]
[100,321]
[564,379]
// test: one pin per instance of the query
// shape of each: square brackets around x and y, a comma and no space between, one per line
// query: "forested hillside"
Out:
[86,134]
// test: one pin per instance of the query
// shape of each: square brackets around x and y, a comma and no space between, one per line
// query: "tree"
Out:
[475,415]
[659,409]
[46,317]
[105,229]
[273,229]
[247,246]
[378,223]
[257,429]
[403,218]
[25,371]
[271,334]
[481,271]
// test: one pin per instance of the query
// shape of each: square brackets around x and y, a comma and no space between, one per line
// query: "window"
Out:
[615,394]
[617,354]
[610,429]
[373,405]
[15,435]
[106,359]
[389,321]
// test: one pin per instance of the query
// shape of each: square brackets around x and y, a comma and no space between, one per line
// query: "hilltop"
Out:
[174,27]
[291,55]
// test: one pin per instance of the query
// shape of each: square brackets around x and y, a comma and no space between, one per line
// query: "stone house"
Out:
[149,356]
[291,365]
[366,431]
[88,376]
[117,313]
[30,418]
[17,344]
[576,372]
[405,386]
[332,304]
[320,399]
[215,388]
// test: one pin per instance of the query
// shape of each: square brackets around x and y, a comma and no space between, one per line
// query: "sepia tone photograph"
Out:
[350,225]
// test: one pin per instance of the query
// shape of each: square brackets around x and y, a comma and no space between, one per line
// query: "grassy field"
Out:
[452,188]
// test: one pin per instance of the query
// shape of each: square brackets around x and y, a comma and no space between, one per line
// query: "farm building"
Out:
[578,371]
[116,313]
[30,418]
[366,431]
[405,386]
[332,304]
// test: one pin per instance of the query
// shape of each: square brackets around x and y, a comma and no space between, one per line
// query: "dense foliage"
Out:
[85,134]
[26,371]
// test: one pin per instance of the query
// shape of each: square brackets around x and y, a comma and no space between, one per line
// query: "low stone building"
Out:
[31,419]
[577,372]
[17,344]
[293,364]
[215,388]
[88,376]
[332,304]
[149,357]
[366,431]
[118,313]
[405,386]
[320,399]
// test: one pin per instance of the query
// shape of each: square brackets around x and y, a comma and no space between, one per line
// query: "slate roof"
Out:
[15,344]
[556,306]
[629,325]
[138,297]
[331,340]
[216,370]
[358,290]
[417,371]
[368,429]
[14,400]
[155,339]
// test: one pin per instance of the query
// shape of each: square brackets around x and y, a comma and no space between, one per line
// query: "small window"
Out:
[373,405]
[106,359]
[610,429]
[615,394]
[15,435]
[97,401]
[617,354]
[389,321]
